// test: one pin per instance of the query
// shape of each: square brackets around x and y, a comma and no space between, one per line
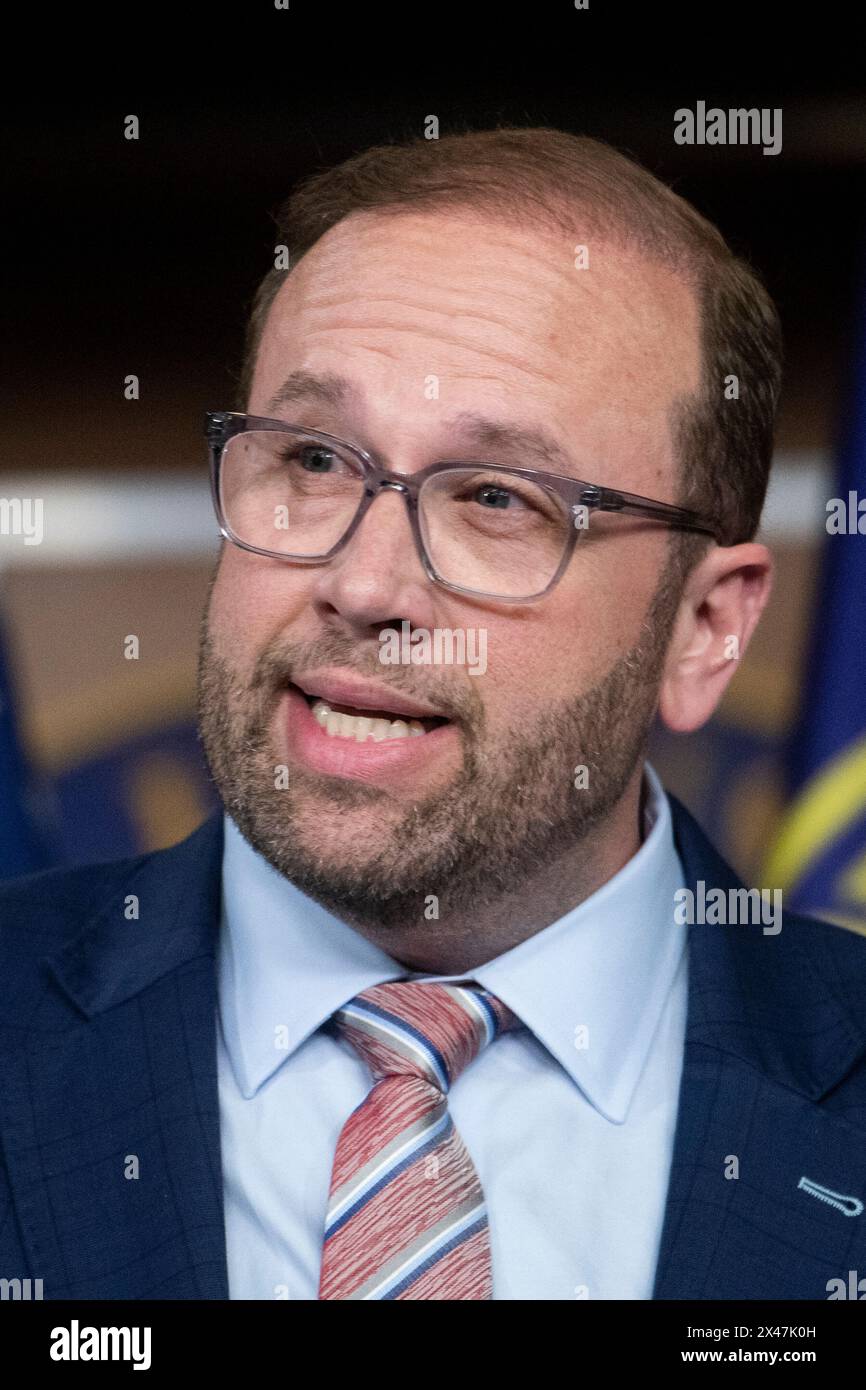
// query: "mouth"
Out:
[345,727]
[360,712]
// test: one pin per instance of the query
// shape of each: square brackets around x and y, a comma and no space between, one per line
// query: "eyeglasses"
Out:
[480,528]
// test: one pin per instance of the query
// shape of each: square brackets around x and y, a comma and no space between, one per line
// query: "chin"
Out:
[345,838]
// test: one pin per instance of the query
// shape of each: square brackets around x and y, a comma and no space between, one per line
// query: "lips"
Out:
[403,754]
[348,694]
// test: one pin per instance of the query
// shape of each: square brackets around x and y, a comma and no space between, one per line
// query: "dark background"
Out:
[143,255]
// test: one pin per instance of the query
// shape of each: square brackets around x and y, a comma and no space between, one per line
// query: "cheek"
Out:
[544,658]
[567,645]
[253,598]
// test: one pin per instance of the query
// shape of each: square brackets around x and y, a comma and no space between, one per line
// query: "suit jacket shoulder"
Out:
[110,1177]
[91,920]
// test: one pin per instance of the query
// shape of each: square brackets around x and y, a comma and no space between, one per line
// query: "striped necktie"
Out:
[406,1213]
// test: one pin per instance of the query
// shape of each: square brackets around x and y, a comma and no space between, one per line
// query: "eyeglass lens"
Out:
[492,532]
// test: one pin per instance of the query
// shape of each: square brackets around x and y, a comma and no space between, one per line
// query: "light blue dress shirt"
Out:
[569,1120]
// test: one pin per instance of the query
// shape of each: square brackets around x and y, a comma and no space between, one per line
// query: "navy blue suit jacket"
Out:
[108,1049]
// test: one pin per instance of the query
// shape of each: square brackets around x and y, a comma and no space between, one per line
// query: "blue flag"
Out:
[819,858]
[25,842]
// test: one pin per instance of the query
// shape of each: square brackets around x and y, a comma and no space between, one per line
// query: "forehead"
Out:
[598,341]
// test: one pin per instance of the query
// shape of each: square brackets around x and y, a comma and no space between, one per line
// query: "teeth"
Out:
[361,727]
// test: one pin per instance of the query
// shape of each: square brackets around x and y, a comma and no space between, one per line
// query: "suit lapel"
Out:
[765,1041]
[110,1103]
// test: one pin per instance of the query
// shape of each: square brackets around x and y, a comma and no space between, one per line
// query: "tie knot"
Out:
[420,1028]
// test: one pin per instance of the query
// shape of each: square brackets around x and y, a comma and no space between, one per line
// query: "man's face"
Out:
[507,328]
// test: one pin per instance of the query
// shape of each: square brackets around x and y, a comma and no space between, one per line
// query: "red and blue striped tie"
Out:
[406,1213]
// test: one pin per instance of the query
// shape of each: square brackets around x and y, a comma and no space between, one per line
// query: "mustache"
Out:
[281,660]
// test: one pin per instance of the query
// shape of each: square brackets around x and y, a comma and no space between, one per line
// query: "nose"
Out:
[378,577]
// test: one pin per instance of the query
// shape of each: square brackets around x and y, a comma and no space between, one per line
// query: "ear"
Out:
[723,599]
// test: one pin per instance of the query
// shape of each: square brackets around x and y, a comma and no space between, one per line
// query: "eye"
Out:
[493,496]
[517,496]
[314,458]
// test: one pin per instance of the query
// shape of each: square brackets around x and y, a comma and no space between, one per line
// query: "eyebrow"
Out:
[302,387]
[526,442]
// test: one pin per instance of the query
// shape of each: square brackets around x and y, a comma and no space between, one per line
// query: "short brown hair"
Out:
[724,445]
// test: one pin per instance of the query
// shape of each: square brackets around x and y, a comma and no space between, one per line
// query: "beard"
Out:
[510,812]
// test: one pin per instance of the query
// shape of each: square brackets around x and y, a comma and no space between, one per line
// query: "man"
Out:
[420,1016]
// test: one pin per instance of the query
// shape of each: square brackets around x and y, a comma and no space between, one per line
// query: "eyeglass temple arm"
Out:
[607,500]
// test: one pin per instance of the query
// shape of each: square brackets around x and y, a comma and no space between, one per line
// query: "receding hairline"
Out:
[573,219]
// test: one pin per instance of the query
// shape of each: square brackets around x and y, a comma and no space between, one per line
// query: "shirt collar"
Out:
[607,966]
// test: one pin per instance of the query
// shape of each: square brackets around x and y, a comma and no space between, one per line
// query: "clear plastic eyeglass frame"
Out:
[578,498]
